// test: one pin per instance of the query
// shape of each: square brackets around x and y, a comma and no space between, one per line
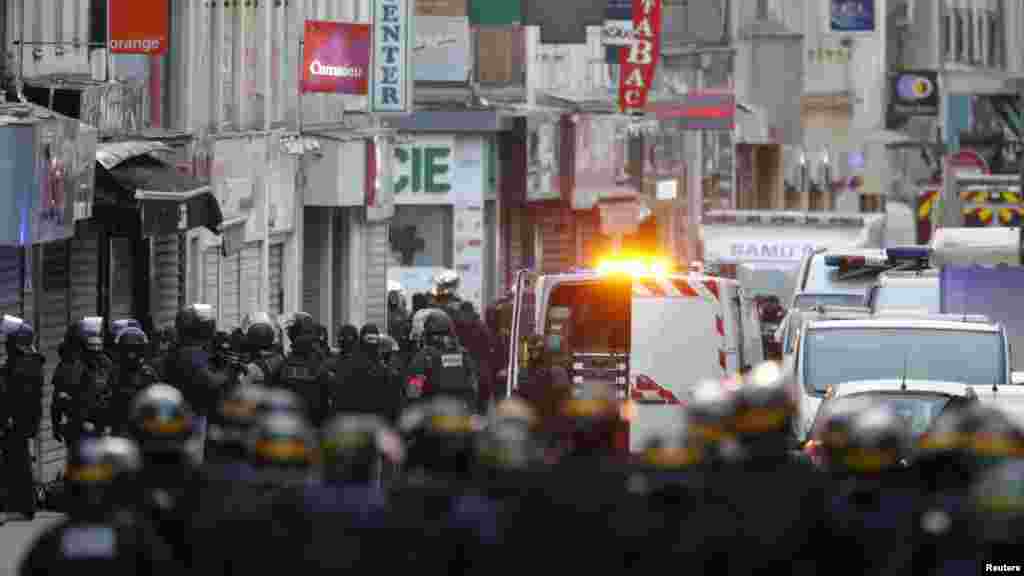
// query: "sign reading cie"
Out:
[424,168]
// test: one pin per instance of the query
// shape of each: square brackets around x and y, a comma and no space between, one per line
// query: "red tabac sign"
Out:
[641,57]
[336,58]
[138,27]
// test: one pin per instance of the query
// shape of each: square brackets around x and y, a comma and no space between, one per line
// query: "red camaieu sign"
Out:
[138,26]
[336,58]
[641,57]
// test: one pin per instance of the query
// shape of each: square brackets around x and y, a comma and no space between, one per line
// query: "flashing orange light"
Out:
[635,266]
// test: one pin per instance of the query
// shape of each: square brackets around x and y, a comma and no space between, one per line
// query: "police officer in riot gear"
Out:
[21,397]
[237,414]
[707,425]
[443,367]
[164,343]
[191,371]
[99,533]
[303,373]
[133,374]
[170,481]
[446,292]
[875,506]
[364,384]
[829,451]
[265,361]
[84,389]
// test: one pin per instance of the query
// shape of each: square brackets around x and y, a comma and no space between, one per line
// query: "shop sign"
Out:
[640,58]
[914,93]
[424,167]
[852,15]
[336,58]
[138,27]
[618,28]
[390,84]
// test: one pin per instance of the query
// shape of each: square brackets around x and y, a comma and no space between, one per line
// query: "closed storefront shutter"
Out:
[231,291]
[10,281]
[249,300]
[276,279]
[54,316]
[84,275]
[122,278]
[378,251]
[555,248]
[168,279]
[211,277]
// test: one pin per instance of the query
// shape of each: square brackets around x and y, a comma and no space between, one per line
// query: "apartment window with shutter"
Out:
[980,37]
[947,36]
[995,41]
[958,30]
[967,53]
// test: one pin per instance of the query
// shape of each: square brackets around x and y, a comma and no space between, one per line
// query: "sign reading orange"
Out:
[138,26]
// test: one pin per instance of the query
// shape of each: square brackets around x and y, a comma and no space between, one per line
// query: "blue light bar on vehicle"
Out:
[908,253]
[850,261]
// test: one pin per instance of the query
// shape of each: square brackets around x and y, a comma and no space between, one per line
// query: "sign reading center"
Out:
[391,86]
[640,58]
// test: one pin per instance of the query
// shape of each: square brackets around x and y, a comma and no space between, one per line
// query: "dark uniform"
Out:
[99,536]
[83,389]
[303,373]
[265,360]
[443,367]
[21,394]
[190,370]
[365,385]
[132,375]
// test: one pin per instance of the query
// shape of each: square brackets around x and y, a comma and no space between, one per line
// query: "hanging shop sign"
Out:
[851,16]
[618,28]
[914,93]
[336,58]
[640,58]
[138,27]
[391,86]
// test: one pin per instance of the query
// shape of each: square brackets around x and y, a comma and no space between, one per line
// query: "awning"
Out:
[161,199]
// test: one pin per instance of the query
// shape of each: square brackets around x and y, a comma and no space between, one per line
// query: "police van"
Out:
[649,334]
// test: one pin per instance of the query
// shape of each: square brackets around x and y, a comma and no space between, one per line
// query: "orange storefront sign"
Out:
[138,26]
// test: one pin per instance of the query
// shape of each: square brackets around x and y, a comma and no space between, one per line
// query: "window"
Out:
[995,41]
[958,31]
[947,36]
[967,50]
[762,9]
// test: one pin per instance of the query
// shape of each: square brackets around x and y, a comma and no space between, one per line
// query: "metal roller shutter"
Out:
[230,291]
[53,321]
[211,277]
[122,278]
[10,281]
[378,251]
[277,279]
[250,285]
[84,275]
[168,280]
[556,247]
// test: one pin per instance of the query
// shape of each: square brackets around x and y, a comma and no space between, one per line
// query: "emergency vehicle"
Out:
[649,333]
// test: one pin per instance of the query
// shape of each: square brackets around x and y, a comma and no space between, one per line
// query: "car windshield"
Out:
[918,409]
[833,355]
[924,296]
[808,301]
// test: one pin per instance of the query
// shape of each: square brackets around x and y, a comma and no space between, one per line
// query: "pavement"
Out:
[17,535]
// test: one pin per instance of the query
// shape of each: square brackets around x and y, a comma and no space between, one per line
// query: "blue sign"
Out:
[852,15]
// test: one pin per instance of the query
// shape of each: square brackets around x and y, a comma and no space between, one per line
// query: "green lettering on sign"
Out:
[423,169]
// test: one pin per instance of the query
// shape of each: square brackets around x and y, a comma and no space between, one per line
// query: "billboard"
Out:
[336,58]
[138,27]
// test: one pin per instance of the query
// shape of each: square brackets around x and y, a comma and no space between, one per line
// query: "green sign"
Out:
[423,168]
[494,12]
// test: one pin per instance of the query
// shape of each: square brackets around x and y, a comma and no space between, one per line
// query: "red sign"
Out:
[641,57]
[336,58]
[138,27]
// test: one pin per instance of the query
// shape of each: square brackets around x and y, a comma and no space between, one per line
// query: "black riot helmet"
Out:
[17,334]
[237,340]
[131,344]
[831,443]
[348,338]
[94,465]
[90,334]
[709,416]
[118,326]
[439,438]
[302,323]
[283,440]
[196,324]
[162,421]
[354,446]
[369,341]
[260,332]
[239,411]
[765,410]
[438,329]
[997,500]
[878,442]
[221,342]
[963,443]
[509,443]
[166,338]
[592,418]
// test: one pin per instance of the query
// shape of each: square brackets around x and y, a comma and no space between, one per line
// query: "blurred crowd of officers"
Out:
[104,364]
[444,491]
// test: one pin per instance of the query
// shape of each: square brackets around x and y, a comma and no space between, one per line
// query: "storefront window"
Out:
[421,236]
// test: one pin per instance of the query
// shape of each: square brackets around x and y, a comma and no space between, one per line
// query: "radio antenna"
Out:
[906,362]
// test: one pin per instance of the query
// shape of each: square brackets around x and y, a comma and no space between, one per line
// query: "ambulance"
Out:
[634,325]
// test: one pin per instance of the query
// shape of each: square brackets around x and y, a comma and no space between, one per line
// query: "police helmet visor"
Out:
[10,325]
[118,327]
[204,312]
[92,325]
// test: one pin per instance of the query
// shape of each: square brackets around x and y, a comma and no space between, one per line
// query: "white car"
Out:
[970,350]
